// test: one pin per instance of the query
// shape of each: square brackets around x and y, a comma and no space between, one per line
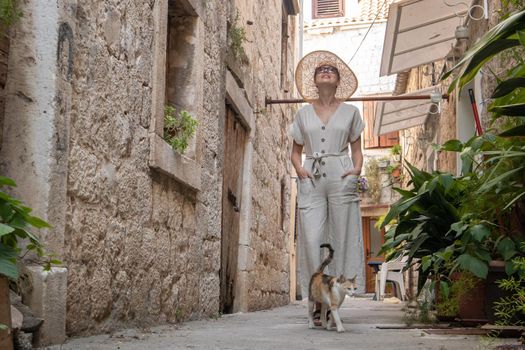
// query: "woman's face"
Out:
[326,74]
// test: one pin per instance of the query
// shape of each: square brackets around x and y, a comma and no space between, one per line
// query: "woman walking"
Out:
[328,198]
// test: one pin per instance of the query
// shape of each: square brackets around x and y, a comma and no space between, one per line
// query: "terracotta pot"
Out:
[471,304]
[396,172]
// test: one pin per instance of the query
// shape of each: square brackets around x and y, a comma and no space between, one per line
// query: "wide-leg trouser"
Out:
[329,212]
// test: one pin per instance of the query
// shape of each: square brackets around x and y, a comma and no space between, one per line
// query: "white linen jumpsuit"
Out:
[328,205]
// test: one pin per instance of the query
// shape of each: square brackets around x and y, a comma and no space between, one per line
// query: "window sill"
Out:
[163,159]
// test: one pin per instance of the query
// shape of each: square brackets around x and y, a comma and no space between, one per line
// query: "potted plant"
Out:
[396,152]
[178,128]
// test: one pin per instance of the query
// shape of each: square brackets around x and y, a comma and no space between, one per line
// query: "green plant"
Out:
[373,179]
[9,13]
[420,312]
[510,310]
[15,220]
[395,150]
[451,291]
[425,214]
[178,128]
[237,37]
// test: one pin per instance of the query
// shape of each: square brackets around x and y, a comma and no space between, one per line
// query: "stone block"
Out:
[47,299]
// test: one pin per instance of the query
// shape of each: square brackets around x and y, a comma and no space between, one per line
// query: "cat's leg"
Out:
[311,305]
[323,316]
[337,319]
[331,322]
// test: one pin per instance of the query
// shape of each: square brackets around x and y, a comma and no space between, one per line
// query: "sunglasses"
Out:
[326,69]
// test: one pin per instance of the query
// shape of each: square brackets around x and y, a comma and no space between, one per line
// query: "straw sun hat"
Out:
[304,75]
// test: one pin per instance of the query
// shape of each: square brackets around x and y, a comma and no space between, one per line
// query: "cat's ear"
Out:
[341,279]
[354,278]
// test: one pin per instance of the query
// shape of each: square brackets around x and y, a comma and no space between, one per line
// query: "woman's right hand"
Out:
[302,173]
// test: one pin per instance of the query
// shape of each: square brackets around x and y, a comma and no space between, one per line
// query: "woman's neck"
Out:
[327,97]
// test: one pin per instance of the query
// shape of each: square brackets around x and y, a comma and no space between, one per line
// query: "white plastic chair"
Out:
[391,271]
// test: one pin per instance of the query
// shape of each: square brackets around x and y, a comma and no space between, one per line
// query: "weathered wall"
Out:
[142,248]
[136,252]
[267,271]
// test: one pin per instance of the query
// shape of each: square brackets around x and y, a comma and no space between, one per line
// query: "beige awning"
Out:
[419,32]
[397,115]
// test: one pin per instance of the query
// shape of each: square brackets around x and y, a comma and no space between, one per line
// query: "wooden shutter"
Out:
[369,109]
[327,8]
[372,141]
[389,140]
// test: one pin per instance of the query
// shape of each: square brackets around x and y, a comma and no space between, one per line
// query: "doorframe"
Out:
[236,99]
[368,212]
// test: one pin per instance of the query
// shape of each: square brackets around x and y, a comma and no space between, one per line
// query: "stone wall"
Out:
[132,248]
[142,245]
[267,269]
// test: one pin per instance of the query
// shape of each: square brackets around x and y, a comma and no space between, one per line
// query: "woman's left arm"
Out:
[357,158]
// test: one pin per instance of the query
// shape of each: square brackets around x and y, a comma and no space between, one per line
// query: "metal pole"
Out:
[270,101]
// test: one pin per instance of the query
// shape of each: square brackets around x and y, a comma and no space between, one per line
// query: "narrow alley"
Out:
[286,328]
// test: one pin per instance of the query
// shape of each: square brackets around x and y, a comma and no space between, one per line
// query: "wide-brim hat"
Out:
[305,73]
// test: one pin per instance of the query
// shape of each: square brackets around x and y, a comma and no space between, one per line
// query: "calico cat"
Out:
[330,291]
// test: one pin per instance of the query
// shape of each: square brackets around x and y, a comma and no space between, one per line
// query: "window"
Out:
[177,79]
[371,141]
[327,8]
[183,55]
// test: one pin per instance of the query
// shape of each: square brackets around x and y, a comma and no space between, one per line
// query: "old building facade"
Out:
[147,235]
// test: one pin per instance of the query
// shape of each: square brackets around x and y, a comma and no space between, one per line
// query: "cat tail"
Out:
[328,259]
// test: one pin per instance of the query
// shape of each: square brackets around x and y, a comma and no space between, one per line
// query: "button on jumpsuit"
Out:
[328,205]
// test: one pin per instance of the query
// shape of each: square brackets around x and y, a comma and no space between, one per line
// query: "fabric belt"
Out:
[318,157]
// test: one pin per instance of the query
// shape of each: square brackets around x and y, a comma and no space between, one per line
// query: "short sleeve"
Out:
[356,127]
[295,130]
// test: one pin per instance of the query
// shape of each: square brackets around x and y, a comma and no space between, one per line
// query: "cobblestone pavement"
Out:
[286,328]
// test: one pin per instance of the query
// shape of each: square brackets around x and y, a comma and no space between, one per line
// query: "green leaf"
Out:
[452,146]
[8,266]
[447,180]
[7,181]
[37,222]
[521,36]
[470,263]
[507,248]
[482,56]
[398,208]
[479,232]
[444,289]
[483,255]
[5,229]
[515,131]
[425,262]
[514,110]
[459,227]
[507,86]
[489,184]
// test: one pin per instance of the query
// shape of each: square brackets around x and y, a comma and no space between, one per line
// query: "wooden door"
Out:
[235,136]
[373,239]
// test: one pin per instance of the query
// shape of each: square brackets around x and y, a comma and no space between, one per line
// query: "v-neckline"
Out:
[329,118]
